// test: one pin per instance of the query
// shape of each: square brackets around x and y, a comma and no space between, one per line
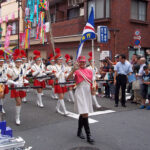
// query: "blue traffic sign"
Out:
[137,42]
[103,34]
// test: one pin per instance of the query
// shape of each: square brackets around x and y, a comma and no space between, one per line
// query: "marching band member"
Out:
[16,77]
[51,70]
[38,70]
[83,100]
[60,89]
[95,76]
[68,69]
[26,67]
[3,77]
[8,63]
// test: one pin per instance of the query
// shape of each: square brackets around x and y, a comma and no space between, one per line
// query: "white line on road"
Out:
[101,112]
[76,116]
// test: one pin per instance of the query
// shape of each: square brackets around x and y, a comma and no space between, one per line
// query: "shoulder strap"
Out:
[84,77]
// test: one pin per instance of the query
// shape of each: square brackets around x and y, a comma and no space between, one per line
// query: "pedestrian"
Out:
[83,99]
[122,69]
[146,84]
[103,72]
[111,82]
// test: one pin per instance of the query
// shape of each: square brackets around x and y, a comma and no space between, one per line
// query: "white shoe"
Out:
[18,109]
[18,121]
[71,96]
[55,96]
[95,102]
[40,103]
[3,111]
[64,107]
[1,103]
[24,100]
[58,108]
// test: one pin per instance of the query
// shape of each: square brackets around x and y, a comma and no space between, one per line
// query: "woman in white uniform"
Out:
[83,100]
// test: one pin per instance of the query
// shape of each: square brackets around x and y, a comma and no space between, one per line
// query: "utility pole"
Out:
[50,30]
[19,5]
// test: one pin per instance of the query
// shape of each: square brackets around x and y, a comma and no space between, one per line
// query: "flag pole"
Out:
[93,56]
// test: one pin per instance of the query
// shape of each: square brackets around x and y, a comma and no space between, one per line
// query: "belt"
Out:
[121,75]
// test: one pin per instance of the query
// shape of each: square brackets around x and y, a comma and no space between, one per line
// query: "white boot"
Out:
[18,109]
[71,95]
[55,95]
[52,94]
[63,107]
[1,103]
[24,100]
[95,101]
[40,102]
[58,107]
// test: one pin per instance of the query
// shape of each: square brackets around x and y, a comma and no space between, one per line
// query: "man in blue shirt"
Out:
[122,69]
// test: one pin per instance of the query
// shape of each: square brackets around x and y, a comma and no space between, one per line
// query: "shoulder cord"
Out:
[85,78]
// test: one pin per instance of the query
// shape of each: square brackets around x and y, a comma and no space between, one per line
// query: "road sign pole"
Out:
[139,49]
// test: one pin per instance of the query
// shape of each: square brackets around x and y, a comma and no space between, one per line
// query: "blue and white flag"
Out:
[88,32]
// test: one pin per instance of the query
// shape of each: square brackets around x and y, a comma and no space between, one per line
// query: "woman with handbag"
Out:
[83,99]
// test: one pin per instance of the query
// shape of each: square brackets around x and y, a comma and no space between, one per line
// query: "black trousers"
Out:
[121,81]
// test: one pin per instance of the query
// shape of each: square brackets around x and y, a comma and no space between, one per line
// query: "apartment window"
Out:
[52,18]
[101,8]
[33,28]
[73,13]
[138,10]
[14,27]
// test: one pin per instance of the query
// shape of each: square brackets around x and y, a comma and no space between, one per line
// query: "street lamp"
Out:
[19,5]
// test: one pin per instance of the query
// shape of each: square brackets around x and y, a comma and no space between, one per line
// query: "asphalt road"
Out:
[44,129]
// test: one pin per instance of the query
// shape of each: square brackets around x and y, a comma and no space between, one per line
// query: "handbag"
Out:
[136,85]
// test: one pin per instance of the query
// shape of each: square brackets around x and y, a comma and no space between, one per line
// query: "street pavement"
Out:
[113,128]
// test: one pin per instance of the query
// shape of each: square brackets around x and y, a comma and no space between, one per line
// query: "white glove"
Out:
[26,81]
[11,82]
[19,84]
[43,74]
[59,74]
[28,71]
[35,73]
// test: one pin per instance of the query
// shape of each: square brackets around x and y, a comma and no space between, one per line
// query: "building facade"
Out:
[123,18]
[9,8]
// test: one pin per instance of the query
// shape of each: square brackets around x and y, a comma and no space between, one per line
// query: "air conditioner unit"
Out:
[79,1]
[74,2]
[82,11]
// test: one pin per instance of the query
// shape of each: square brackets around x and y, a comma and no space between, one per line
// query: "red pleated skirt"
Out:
[6,91]
[50,82]
[59,89]
[39,83]
[17,93]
